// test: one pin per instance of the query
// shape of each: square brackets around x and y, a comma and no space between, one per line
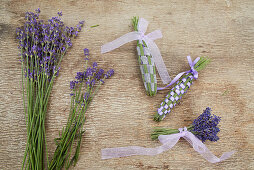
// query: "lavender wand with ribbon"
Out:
[181,86]
[149,54]
[146,63]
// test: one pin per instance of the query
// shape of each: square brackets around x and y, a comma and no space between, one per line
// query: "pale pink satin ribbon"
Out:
[149,40]
[168,141]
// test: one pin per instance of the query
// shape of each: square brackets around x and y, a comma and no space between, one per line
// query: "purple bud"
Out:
[86,52]
[81,22]
[109,73]
[60,13]
[73,84]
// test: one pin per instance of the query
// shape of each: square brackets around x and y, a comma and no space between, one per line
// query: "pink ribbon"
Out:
[192,70]
[168,141]
[149,40]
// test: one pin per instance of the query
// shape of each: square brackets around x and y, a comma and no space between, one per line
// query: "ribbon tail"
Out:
[120,41]
[154,35]
[204,151]
[177,77]
[161,67]
[170,141]
[209,156]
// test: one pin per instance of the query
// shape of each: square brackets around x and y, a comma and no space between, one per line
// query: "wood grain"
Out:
[121,114]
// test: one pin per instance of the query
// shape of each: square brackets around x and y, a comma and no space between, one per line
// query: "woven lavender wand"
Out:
[180,88]
[146,63]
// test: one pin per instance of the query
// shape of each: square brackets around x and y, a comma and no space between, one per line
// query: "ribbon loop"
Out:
[142,25]
[149,40]
[192,64]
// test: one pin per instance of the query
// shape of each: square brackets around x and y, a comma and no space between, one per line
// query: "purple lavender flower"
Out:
[86,52]
[60,13]
[102,81]
[99,74]
[205,126]
[73,84]
[89,72]
[80,76]
[90,77]
[81,22]
[109,73]
[48,41]
[95,65]
[38,10]
[94,69]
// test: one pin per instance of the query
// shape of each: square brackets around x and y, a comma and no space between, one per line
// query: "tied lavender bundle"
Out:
[42,46]
[205,127]
[181,87]
[83,90]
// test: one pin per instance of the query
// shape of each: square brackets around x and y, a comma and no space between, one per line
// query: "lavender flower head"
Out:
[43,44]
[91,75]
[205,126]
[86,52]
[109,73]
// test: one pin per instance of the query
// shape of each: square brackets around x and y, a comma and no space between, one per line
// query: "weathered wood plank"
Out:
[121,113]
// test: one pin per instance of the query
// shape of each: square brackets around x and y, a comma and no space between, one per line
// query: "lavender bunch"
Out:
[42,46]
[205,127]
[83,89]
[147,65]
[177,92]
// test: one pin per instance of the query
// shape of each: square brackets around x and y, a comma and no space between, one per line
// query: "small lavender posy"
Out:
[83,90]
[205,127]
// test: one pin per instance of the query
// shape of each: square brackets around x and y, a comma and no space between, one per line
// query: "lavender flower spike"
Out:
[109,73]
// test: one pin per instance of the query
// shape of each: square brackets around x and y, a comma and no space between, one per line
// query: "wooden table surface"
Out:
[121,114]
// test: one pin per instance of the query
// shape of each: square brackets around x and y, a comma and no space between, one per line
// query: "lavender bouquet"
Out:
[205,127]
[179,89]
[42,46]
[83,90]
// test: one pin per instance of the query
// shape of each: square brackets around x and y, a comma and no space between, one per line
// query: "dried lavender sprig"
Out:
[146,63]
[42,46]
[205,127]
[83,89]
[177,92]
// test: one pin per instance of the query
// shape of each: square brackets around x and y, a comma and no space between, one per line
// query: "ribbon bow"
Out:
[192,70]
[149,40]
[168,141]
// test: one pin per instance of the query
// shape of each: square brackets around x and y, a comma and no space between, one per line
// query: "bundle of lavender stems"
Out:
[42,46]
[204,127]
[83,89]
